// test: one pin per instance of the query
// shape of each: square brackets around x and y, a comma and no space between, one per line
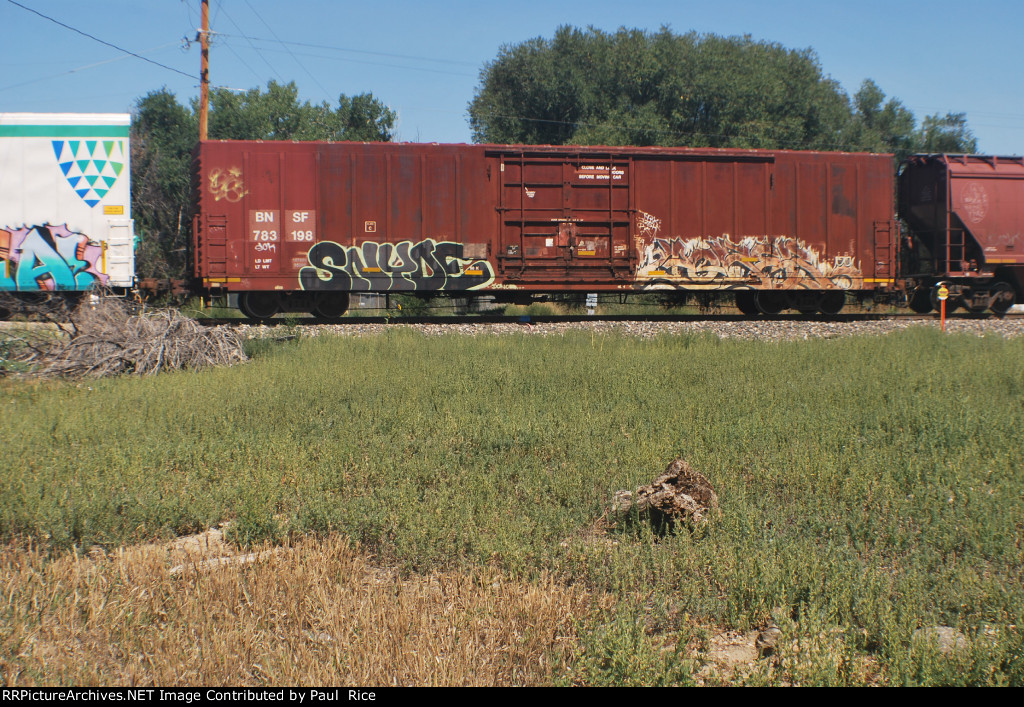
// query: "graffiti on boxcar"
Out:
[48,258]
[393,267]
[647,224]
[782,262]
[975,202]
[720,262]
[227,184]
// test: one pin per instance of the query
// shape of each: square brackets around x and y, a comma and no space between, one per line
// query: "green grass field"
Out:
[869,487]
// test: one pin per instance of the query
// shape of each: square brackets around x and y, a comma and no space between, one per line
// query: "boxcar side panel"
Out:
[65,204]
[342,216]
[784,220]
[393,217]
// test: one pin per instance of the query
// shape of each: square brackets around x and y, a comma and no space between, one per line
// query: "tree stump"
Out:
[680,493]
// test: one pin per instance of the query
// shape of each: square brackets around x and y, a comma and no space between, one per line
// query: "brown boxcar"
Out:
[300,225]
[966,220]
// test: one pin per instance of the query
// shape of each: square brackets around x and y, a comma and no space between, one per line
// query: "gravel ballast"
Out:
[762,330]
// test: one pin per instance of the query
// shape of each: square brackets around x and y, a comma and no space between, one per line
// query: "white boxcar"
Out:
[65,202]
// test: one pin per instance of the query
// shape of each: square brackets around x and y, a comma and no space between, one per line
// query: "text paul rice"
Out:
[188,696]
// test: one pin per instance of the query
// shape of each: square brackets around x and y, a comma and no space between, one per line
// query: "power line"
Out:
[240,59]
[363,61]
[286,47]
[258,52]
[81,68]
[101,41]
[213,35]
[355,51]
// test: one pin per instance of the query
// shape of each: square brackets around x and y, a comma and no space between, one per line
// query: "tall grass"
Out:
[869,486]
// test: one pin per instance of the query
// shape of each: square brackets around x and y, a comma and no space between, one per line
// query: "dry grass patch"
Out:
[316,612]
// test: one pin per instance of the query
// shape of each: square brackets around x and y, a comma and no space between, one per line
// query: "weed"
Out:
[870,484]
[614,650]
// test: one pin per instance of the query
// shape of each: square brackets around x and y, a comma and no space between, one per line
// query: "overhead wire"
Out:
[82,68]
[259,77]
[286,44]
[258,52]
[301,65]
[193,21]
[359,51]
[373,63]
[577,124]
[101,41]
[213,36]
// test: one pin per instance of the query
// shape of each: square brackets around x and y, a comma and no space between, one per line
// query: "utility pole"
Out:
[204,70]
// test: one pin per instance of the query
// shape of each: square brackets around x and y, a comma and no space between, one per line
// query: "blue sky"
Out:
[424,58]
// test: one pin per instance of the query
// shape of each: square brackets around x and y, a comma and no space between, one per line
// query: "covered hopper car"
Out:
[965,219]
[299,226]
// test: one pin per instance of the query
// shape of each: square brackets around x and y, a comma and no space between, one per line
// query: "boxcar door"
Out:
[565,217]
[120,252]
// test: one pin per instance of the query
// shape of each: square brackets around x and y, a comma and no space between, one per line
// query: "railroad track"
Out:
[285,320]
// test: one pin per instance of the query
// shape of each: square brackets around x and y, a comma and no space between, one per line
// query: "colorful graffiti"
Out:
[48,258]
[762,262]
[394,267]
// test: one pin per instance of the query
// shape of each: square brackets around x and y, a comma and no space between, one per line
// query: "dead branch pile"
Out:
[36,306]
[104,338]
[680,493]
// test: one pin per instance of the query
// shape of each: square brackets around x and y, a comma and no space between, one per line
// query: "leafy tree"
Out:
[632,87]
[637,88]
[164,134]
[948,133]
[881,128]
[892,127]
[363,118]
[277,114]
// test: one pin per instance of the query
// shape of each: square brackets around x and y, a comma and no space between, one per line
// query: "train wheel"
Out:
[330,305]
[745,303]
[920,301]
[259,305]
[769,302]
[833,301]
[1003,297]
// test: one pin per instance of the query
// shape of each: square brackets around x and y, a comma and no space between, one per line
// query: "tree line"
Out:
[631,87]
[582,86]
